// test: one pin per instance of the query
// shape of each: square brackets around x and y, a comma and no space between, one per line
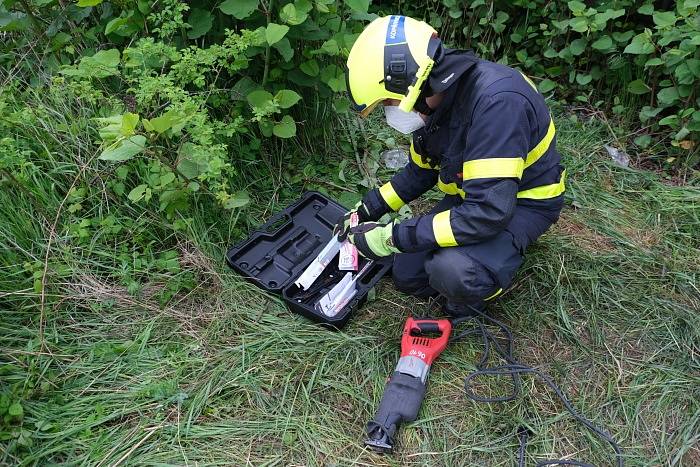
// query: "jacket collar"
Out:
[450,67]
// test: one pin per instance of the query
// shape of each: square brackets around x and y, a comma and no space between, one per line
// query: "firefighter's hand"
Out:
[373,240]
[342,228]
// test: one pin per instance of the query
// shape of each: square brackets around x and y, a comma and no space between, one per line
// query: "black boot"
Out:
[463,310]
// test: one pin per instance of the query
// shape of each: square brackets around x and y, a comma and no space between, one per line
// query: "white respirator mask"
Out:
[405,122]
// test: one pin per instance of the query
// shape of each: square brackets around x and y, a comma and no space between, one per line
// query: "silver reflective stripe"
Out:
[413,366]
[318,265]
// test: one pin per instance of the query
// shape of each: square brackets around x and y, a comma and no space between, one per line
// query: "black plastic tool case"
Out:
[279,251]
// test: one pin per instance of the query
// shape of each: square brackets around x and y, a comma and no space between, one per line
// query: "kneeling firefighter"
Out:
[481,133]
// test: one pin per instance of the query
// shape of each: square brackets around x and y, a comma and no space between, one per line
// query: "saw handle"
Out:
[425,338]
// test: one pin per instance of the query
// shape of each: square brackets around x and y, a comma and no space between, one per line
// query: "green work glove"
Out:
[342,228]
[373,240]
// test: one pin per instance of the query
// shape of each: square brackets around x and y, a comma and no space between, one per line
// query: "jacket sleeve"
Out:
[493,163]
[417,177]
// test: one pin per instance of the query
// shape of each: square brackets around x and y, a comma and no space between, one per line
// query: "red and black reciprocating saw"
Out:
[422,342]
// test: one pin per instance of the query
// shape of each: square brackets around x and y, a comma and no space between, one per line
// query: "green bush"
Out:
[623,55]
[205,78]
[183,86]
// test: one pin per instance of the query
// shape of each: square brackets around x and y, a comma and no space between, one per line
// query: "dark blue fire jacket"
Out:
[491,141]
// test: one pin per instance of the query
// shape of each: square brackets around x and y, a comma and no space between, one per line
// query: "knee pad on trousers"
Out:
[458,277]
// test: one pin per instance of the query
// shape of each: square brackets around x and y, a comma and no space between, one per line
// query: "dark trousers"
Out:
[468,274]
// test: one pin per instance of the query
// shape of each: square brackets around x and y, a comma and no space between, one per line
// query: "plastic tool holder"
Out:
[279,251]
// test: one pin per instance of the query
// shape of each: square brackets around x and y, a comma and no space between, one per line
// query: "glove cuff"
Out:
[375,206]
[387,237]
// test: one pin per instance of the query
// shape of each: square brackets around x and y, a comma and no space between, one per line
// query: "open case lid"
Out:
[277,252]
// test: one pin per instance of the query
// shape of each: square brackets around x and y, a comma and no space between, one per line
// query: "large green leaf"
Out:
[85,3]
[242,88]
[15,410]
[201,22]
[623,36]
[286,128]
[642,141]
[329,47]
[115,24]
[259,98]
[13,21]
[106,58]
[576,7]
[583,79]
[117,126]
[237,200]
[683,74]
[547,85]
[291,15]
[100,65]
[285,49]
[664,19]
[641,44]
[604,43]
[578,46]
[648,112]
[638,87]
[671,120]
[334,77]
[239,9]
[358,5]
[646,9]
[306,6]
[171,120]
[668,96]
[694,66]
[192,160]
[129,122]
[579,24]
[138,193]
[124,149]
[287,98]
[311,67]
[275,32]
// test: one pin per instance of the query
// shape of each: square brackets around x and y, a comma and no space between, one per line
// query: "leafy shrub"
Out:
[186,85]
[626,55]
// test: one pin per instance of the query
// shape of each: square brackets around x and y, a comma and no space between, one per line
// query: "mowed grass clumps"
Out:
[215,371]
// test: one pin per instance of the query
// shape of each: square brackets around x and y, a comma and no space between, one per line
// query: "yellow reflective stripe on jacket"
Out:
[529,81]
[539,150]
[494,295]
[506,167]
[442,229]
[450,188]
[389,194]
[418,160]
[545,191]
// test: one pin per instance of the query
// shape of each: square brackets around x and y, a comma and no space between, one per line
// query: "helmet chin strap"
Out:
[421,104]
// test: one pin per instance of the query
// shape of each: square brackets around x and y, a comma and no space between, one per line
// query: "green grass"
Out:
[220,373]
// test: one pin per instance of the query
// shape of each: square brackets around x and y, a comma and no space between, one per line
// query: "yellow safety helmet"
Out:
[391,59]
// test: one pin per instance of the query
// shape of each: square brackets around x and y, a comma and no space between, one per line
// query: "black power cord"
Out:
[514,369]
